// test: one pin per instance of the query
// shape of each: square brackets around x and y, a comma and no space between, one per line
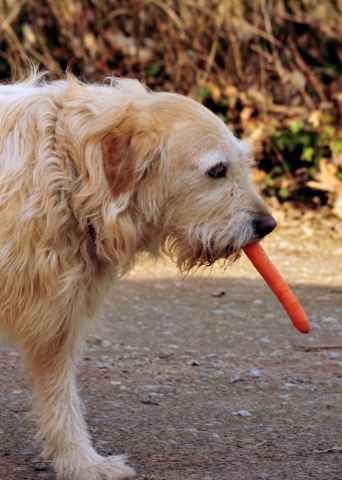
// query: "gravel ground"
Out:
[204,377]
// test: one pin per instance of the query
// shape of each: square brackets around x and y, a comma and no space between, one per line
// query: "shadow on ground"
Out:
[201,378]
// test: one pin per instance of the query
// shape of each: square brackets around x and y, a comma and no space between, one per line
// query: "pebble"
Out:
[147,401]
[334,355]
[219,293]
[242,413]
[254,372]
[40,467]
[330,320]
[106,343]
[193,363]
[218,312]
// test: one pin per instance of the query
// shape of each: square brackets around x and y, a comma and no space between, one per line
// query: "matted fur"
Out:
[91,176]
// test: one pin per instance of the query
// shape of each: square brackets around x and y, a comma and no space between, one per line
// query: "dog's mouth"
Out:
[206,257]
[199,251]
[226,255]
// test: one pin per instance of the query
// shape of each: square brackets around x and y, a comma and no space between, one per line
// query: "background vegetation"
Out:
[271,69]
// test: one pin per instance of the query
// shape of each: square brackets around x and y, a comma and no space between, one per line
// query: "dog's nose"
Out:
[264,225]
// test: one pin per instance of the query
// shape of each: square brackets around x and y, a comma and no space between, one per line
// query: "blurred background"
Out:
[271,69]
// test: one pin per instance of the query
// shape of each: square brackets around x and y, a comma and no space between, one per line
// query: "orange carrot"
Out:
[275,281]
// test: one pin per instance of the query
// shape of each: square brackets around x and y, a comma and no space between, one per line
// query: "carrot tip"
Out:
[275,281]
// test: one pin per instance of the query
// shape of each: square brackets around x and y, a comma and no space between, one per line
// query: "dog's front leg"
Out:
[61,424]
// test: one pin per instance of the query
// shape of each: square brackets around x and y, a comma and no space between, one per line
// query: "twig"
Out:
[282,162]
[14,12]
[322,347]
[329,450]
[307,71]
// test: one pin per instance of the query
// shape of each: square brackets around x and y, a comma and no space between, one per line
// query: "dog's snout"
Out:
[264,225]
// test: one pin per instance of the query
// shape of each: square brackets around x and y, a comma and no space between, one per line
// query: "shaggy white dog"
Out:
[90,176]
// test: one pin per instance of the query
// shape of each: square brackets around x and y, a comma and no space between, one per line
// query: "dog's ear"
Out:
[128,150]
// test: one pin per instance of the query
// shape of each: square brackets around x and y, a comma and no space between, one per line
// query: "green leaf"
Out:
[296,125]
[308,154]
[284,193]
[338,145]
[204,92]
[153,69]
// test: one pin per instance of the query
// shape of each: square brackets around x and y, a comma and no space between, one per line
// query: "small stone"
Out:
[173,346]
[244,413]
[220,293]
[94,341]
[330,320]
[254,372]
[193,363]
[217,312]
[147,401]
[106,343]
[40,467]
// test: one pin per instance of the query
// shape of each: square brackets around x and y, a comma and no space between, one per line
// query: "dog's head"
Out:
[186,179]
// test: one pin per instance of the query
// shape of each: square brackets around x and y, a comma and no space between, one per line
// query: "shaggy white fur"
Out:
[91,176]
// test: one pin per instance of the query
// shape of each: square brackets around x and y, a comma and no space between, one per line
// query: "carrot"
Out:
[275,281]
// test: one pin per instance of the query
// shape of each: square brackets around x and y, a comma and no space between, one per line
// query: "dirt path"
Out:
[193,383]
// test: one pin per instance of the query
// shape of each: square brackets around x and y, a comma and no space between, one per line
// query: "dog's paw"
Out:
[97,468]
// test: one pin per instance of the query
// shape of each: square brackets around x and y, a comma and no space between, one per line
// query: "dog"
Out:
[91,176]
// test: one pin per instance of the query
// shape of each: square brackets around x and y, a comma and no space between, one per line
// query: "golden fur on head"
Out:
[91,176]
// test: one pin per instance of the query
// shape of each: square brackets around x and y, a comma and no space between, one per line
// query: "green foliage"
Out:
[298,148]
[338,145]
[299,143]
[154,69]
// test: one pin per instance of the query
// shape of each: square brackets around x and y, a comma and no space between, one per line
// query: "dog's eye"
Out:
[218,171]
